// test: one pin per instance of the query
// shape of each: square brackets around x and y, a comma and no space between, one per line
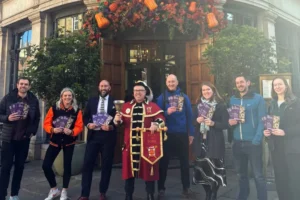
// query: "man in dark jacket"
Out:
[20,123]
[100,140]
[179,120]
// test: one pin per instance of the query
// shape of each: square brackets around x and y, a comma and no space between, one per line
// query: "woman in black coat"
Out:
[209,144]
[284,142]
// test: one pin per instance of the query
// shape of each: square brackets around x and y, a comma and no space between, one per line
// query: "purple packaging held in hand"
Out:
[203,109]
[101,119]
[60,122]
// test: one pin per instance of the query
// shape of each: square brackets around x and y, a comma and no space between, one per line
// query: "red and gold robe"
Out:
[138,115]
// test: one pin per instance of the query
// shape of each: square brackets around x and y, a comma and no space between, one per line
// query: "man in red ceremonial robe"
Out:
[139,113]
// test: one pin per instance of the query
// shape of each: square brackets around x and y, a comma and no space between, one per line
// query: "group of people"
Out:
[185,127]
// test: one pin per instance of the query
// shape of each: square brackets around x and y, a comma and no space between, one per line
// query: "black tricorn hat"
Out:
[142,83]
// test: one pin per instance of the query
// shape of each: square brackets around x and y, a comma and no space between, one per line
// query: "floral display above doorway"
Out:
[186,17]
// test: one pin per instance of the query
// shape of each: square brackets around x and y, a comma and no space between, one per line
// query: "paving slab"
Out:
[35,186]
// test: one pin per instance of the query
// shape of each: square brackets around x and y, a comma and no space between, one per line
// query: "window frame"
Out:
[244,15]
[73,23]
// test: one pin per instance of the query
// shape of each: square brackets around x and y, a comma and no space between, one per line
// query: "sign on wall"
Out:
[265,82]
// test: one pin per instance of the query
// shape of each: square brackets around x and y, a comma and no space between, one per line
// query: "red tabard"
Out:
[151,112]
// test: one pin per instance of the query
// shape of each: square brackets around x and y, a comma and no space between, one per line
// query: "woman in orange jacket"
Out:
[64,123]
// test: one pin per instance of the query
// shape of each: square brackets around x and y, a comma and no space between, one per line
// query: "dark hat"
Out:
[142,83]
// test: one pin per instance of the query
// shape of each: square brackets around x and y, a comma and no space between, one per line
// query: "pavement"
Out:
[35,186]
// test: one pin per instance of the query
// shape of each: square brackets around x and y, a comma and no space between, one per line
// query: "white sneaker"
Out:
[53,194]
[14,198]
[64,195]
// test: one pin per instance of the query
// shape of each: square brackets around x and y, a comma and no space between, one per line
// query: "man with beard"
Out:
[178,113]
[20,114]
[247,138]
[100,139]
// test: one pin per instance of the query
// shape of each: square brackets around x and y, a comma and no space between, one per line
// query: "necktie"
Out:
[102,105]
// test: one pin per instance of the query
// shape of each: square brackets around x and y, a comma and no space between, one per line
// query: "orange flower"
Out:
[94,43]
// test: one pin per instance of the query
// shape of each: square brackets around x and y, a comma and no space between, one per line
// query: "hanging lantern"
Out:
[192,7]
[102,22]
[151,4]
[211,20]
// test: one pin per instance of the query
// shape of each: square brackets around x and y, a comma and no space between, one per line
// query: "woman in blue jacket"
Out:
[284,142]
[209,144]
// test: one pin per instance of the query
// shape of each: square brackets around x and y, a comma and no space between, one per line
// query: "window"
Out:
[20,55]
[24,50]
[241,19]
[69,24]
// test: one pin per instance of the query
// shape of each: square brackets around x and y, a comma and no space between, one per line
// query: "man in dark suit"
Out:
[101,140]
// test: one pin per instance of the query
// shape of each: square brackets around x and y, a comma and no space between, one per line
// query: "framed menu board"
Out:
[265,83]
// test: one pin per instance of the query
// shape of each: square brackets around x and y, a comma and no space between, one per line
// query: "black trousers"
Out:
[293,160]
[105,144]
[51,154]
[281,173]
[14,152]
[129,186]
[176,145]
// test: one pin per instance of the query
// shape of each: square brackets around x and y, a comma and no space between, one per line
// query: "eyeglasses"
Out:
[139,90]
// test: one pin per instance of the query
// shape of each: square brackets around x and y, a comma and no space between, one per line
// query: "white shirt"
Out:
[99,107]
[105,104]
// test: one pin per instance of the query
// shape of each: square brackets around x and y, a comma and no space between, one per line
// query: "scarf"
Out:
[203,127]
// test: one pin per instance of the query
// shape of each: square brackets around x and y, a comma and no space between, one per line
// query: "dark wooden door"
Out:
[196,67]
[113,70]
[196,71]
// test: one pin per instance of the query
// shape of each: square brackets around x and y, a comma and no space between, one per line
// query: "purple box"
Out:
[271,122]
[101,119]
[203,110]
[173,101]
[237,112]
[20,108]
[234,113]
[60,122]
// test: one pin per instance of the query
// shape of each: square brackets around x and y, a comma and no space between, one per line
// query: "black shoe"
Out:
[161,194]
[128,197]
[150,196]
[187,193]
[213,196]
[208,196]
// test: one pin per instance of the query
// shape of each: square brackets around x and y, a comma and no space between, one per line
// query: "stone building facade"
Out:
[26,23]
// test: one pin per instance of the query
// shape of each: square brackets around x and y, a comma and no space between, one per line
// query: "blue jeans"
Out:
[244,151]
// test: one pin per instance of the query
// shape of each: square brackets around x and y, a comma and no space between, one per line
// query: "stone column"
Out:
[38,27]
[294,47]
[90,3]
[220,5]
[38,33]
[2,61]
[266,24]
[5,46]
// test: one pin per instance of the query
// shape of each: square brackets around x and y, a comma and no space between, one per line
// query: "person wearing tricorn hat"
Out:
[139,113]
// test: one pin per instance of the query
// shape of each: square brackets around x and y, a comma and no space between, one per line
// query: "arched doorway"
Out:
[124,63]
